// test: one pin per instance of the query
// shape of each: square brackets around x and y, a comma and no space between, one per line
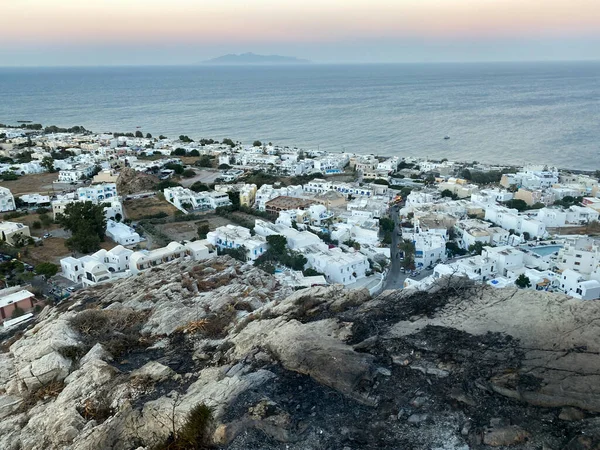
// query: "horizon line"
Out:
[308,63]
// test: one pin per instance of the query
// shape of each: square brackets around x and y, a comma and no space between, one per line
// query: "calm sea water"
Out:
[513,113]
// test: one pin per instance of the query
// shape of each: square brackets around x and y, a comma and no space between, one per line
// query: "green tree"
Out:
[118,217]
[229,142]
[386,224]
[36,225]
[45,219]
[203,230]
[408,250]
[224,167]
[476,248]
[139,134]
[87,224]
[148,136]
[448,193]
[198,186]
[257,144]
[48,163]
[194,153]
[204,161]
[516,203]
[189,173]
[177,168]
[9,176]
[178,152]
[523,281]
[47,269]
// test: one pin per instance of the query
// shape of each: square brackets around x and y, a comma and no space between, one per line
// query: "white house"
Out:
[121,233]
[430,249]
[185,199]
[506,258]
[97,193]
[233,236]
[7,201]
[337,266]
[98,267]
[295,239]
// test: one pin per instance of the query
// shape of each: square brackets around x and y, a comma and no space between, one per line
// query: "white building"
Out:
[73,175]
[430,249]
[580,254]
[510,219]
[121,233]
[35,199]
[145,259]
[11,231]
[98,267]
[97,193]
[233,236]
[507,258]
[337,266]
[185,199]
[7,201]
[296,239]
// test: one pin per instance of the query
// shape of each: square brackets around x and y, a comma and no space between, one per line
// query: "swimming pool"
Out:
[545,250]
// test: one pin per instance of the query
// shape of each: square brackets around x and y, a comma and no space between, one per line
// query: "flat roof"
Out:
[14,298]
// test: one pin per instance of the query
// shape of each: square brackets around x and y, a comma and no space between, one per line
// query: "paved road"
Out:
[395,278]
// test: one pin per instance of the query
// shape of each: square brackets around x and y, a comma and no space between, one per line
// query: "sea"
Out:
[508,113]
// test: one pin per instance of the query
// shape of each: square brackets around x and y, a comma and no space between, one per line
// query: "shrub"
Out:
[194,434]
[117,330]
[36,225]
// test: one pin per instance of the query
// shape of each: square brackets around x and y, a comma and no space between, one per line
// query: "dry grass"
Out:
[31,184]
[193,327]
[136,209]
[117,330]
[52,251]
[44,392]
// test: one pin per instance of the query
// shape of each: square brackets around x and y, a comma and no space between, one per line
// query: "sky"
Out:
[160,32]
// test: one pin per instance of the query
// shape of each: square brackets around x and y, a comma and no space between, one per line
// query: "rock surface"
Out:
[123,365]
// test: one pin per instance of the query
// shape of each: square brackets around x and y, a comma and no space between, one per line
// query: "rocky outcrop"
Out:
[127,365]
[131,181]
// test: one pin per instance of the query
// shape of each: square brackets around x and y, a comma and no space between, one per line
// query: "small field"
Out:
[53,250]
[35,183]
[592,229]
[178,231]
[203,176]
[136,209]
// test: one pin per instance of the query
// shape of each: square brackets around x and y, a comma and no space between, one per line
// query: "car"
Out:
[71,289]
[47,235]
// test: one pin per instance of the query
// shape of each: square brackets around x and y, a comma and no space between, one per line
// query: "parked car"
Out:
[71,289]
[47,235]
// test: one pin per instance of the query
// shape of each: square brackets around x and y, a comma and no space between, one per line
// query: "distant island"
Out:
[254,59]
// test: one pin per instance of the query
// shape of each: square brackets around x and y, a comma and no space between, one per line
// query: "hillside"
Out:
[127,365]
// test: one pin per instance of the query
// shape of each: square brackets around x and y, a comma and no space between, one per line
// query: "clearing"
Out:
[35,183]
[178,231]
[137,209]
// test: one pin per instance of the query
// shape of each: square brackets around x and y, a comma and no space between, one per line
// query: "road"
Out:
[395,278]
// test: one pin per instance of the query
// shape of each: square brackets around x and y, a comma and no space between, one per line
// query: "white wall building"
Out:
[121,233]
[185,199]
[7,201]
[233,236]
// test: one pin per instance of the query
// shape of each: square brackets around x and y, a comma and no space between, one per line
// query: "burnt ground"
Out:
[414,410]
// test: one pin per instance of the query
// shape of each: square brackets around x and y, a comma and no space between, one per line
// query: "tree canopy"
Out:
[87,224]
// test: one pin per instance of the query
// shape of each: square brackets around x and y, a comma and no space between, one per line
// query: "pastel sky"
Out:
[73,32]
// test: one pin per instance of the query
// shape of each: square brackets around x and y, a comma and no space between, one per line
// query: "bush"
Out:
[194,434]
[117,330]
[189,173]
[36,225]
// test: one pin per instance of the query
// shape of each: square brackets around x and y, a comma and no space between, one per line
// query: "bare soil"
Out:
[136,209]
[35,183]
